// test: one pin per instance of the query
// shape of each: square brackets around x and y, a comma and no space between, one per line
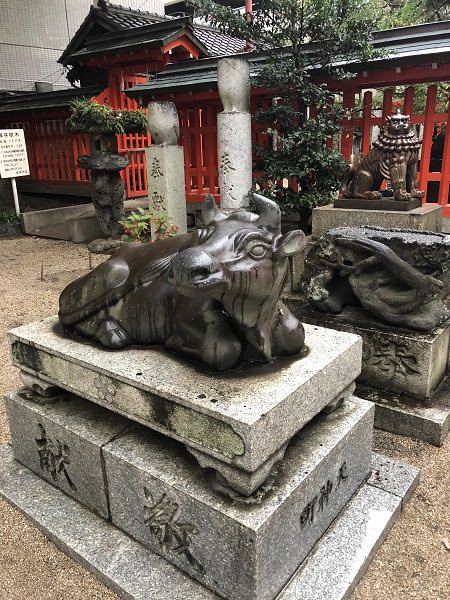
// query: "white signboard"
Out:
[13,154]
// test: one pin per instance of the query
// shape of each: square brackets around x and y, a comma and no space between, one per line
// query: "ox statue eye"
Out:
[258,251]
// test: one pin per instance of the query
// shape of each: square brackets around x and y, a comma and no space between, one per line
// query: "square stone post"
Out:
[165,165]
[234,133]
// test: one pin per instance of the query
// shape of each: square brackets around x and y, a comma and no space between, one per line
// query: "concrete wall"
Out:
[34,34]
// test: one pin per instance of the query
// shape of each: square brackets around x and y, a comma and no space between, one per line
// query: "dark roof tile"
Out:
[217,43]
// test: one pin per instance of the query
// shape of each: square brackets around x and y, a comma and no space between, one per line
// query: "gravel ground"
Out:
[412,563]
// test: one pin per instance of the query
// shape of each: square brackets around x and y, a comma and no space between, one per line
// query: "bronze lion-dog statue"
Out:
[394,157]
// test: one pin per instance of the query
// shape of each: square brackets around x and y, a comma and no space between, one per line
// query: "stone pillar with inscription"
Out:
[165,166]
[234,133]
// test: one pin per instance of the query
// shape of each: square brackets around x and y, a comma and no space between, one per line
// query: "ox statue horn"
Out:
[210,212]
[269,214]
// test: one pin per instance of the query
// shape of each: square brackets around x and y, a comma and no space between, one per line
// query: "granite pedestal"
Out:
[403,372]
[427,217]
[241,550]
[241,420]
[283,467]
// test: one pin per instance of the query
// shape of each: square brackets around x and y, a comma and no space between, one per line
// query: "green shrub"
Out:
[298,39]
[137,226]
[87,116]
[8,216]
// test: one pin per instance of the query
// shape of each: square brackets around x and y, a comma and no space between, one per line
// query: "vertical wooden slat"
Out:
[445,173]
[58,142]
[347,128]
[132,167]
[408,103]
[139,170]
[366,122]
[387,103]
[50,154]
[427,140]
[36,150]
[211,145]
[183,142]
[46,150]
[197,148]
[78,174]
[330,141]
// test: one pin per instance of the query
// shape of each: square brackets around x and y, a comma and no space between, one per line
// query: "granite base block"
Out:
[349,547]
[129,569]
[429,421]
[239,550]
[394,359]
[62,442]
[427,217]
[132,571]
[243,425]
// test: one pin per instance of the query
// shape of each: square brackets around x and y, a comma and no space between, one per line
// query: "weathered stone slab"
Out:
[394,359]
[344,553]
[136,573]
[426,218]
[245,482]
[240,423]
[239,550]
[428,421]
[62,442]
[394,476]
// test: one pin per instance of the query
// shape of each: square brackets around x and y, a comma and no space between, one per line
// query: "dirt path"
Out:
[412,563]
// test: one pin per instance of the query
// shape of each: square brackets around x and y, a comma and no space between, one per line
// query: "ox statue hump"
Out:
[212,295]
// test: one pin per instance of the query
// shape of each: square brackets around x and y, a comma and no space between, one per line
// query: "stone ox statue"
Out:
[212,295]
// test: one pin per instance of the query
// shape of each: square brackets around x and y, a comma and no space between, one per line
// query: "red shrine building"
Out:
[126,58]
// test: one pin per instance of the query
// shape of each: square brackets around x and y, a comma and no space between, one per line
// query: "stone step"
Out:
[150,487]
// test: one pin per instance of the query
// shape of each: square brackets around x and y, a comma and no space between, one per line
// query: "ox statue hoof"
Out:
[111,335]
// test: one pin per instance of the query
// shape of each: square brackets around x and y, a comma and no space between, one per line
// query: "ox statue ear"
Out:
[291,243]
[210,212]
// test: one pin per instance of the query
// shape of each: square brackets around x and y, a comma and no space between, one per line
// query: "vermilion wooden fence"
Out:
[198,136]
[53,152]
[131,145]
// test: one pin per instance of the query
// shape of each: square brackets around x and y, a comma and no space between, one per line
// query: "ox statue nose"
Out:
[193,266]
